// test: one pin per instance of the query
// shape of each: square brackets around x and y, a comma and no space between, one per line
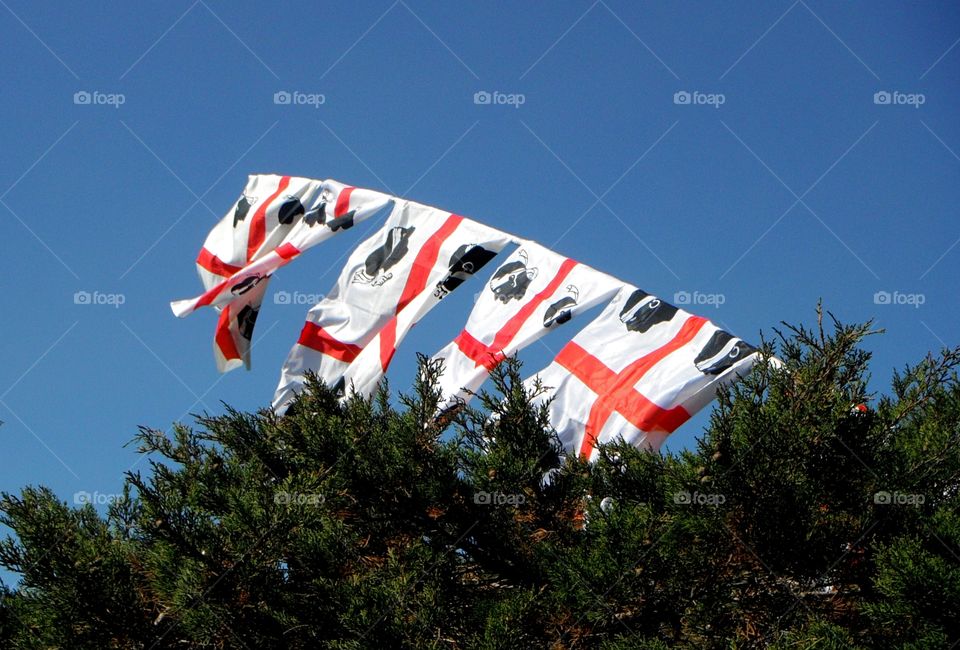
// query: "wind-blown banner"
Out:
[274,221]
[533,291]
[419,249]
[638,371]
[363,375]
[262,216]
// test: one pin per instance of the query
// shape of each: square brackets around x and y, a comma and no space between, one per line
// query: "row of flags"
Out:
[638,371]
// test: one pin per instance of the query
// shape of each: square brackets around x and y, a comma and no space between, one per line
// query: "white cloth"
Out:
[533,291]
[639,370]
[462,255]
[275,219]
[419,249]
[334,208]
[259,220]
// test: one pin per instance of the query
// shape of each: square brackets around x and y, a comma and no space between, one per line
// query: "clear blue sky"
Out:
[798,186]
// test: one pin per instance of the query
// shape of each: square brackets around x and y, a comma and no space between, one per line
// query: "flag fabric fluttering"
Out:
[274,220]
[532,292]
[234,332]
[419,249]
[338,207]
[638,371]
[466,259]
[259,220]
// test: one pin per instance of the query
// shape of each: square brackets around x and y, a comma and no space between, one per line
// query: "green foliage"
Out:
[799,521]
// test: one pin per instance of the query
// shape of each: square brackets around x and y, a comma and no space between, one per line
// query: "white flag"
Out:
[461,256]
[332,207]
[533,291]
[413,252]
[638,371]
[263,215]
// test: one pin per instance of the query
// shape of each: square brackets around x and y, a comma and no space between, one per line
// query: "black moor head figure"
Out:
[465,261]
[511,280]
[721,352]
[639,315]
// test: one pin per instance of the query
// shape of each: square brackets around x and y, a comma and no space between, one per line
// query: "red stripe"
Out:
[489,356]
[615,391]
[343,202]
[215,265]
[224,337]
[425,261]
[633,372]
[316,338]
[416,282]
[512,326]
[287,251]
[211,295]
[388,343]
[480,353]
[258,225]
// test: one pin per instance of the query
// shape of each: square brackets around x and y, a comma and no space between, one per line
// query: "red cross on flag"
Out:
[533,291]
[638,371]
[419,250]
[275,219]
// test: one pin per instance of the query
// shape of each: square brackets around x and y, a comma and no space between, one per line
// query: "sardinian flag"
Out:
[274,220]
[336,207]
[532,292]
[468,251]
[419,249]
[638,371]
[262,216]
